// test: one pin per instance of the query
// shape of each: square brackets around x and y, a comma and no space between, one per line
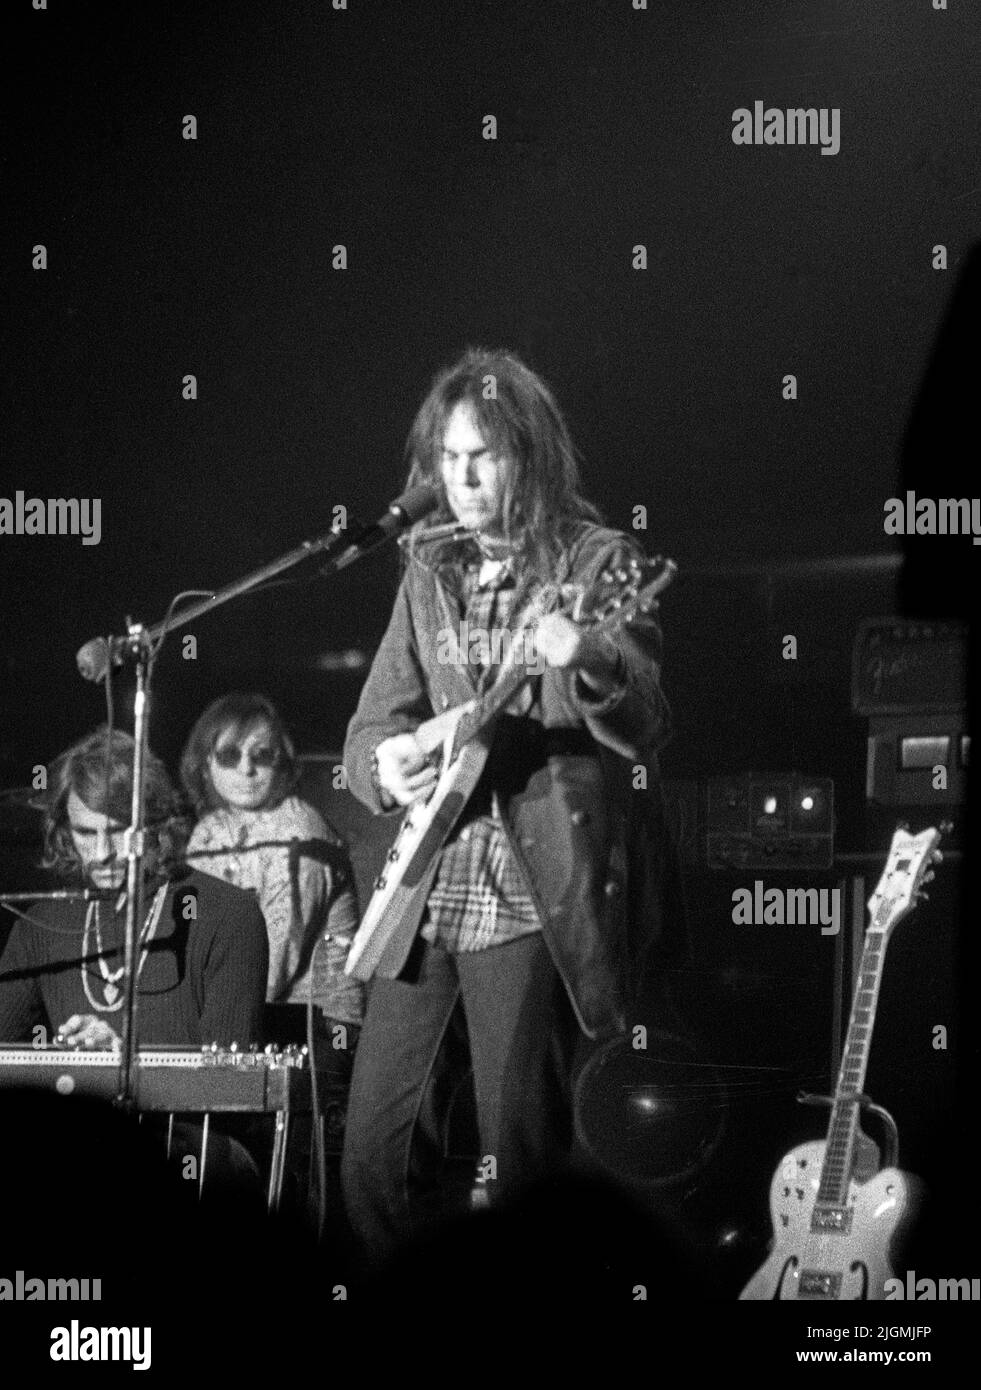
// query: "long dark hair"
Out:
[238,712]
[519,418]
[100,773]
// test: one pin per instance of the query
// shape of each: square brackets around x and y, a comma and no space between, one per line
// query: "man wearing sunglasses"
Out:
[202,953]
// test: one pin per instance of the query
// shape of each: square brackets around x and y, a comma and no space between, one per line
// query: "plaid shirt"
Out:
[479,897]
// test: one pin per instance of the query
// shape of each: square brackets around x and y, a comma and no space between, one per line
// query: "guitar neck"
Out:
[836,1170]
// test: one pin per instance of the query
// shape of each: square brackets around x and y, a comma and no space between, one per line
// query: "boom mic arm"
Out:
[94,657]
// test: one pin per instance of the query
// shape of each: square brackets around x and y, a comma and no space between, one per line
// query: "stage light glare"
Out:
[807,803]
[770,806]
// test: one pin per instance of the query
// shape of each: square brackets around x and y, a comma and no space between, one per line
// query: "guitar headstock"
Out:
[909,866]
[621,592]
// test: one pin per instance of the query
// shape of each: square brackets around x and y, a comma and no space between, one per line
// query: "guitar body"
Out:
[425,828]
[832,1265]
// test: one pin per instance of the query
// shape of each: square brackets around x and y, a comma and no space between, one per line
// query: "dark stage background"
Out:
[363,128]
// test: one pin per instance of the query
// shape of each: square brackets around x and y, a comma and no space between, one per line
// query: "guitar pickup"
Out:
[837,1219]
[815,1283]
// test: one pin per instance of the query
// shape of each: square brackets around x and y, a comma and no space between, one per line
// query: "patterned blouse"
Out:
[297,868]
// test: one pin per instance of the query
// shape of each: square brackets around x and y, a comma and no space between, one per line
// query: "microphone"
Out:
[405,511]
[93,659]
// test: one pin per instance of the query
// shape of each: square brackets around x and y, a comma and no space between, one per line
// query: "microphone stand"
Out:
[327,543]
[135,841]
[142,644]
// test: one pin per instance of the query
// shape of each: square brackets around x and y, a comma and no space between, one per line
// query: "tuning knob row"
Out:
[293,1055]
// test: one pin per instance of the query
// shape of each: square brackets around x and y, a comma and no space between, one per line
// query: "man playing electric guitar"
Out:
[521,936]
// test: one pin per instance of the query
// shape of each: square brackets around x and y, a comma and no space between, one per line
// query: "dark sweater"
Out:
[204,979]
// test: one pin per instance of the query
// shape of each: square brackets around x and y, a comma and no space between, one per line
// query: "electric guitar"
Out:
[460,739]
[834,1218]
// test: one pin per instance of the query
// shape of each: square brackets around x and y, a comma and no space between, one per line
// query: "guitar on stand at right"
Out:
[834,1216]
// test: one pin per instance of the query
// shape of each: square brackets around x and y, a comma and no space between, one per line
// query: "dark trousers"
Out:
[508,1007]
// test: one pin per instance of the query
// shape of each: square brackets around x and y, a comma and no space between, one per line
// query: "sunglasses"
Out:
[230,755]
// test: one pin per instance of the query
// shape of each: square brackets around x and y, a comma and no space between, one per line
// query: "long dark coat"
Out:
[577,779]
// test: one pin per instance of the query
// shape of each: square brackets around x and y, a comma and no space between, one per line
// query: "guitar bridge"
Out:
[817,1283]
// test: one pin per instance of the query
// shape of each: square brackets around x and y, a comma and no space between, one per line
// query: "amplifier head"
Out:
[769,821]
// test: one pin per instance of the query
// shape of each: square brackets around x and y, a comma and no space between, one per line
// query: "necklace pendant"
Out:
[111,992]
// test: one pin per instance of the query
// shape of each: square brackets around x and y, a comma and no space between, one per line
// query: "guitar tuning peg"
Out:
[929,876]
[937,856]
[922,897]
